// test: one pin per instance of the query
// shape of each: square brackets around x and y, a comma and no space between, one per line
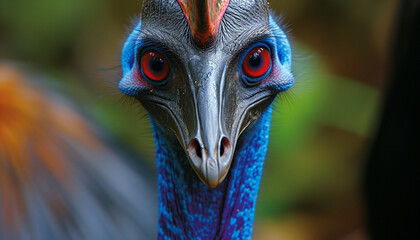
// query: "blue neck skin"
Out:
[188,209]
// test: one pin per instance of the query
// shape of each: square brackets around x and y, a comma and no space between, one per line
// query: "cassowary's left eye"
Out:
[155,67]
[256,64]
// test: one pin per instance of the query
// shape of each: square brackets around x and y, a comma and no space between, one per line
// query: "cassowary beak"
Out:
[210,154]
[210,150]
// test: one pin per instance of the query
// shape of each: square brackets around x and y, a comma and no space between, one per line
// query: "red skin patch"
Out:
[204,17]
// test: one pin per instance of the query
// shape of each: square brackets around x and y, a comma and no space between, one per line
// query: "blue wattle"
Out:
[188,209]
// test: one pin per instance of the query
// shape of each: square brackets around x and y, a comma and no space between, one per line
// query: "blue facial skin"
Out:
[188,209]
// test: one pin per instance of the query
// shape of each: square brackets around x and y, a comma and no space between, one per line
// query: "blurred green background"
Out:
[321,128]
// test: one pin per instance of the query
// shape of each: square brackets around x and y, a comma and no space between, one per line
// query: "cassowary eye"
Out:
[256,65]
[155,67]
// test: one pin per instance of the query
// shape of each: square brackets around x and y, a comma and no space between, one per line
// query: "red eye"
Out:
[257,62]
[154,66]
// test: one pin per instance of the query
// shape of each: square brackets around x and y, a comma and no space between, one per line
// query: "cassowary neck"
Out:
[188,209]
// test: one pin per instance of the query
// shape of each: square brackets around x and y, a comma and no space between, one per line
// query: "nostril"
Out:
[222,149]
[198,150]
[195,148]
[224,146]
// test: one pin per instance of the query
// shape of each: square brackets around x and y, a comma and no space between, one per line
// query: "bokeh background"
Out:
[321,131]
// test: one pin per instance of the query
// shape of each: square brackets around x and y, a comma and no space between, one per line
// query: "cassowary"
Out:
[207,72]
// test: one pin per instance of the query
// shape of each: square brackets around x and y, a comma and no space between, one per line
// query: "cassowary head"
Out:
[205,71]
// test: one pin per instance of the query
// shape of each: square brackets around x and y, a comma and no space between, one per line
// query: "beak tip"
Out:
[211,184]
[211,170]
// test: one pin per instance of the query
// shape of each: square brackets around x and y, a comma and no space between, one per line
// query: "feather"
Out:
[59,178]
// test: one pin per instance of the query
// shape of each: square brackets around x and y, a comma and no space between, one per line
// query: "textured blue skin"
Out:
[188,209]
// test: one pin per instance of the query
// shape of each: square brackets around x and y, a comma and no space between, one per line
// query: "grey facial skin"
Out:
[204,104]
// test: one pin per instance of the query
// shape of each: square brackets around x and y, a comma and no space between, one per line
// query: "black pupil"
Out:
[255,60]
[156,64]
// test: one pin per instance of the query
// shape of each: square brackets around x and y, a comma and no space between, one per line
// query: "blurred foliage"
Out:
[317,142]
[320,129]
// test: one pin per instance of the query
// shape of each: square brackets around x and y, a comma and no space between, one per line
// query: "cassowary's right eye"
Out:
[256,65]
[155,67]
